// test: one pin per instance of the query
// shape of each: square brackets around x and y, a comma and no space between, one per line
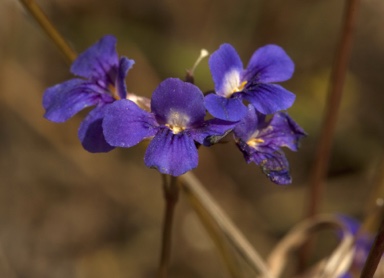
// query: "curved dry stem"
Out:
[332,266]
[198,195]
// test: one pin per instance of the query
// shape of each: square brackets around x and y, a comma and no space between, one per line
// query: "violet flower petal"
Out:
[125,124]
[172,154]
[99,62]
[64,100]
[125,65]
[269,98]
[274,164]
[211,131]
[282,131]
[269,64]
[229,109]
[91,131]
[176,100]
[249,124]
[226,67]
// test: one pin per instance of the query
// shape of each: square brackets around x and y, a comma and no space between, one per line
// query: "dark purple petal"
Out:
[211,131]
[363,242]
[172,154]
[124,66]
[176,100]
[249,124]
[91,132]
[269,98]
[229,109]
[64,100]
[99,62]
[346,275]
[282,131]
[226,67]
[269,64]
[273,163]
[275,166]
[125,124]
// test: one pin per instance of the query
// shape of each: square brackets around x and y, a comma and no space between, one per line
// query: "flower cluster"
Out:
[174,119]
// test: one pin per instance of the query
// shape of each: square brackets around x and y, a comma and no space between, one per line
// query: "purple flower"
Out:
[363,240]
[233,83]
[260,141]
[176,122]
[102,81]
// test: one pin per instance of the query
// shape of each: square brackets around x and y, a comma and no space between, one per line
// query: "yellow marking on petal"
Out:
[175,129]
[237,89]
[177,122]
[241,87]
[254,142]
[113,91]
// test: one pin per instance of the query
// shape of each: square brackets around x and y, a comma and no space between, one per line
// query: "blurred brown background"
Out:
[68,213]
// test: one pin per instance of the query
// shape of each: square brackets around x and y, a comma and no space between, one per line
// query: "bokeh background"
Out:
[68,213]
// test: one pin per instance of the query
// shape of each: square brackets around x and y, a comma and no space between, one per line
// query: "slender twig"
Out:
[215,233]
[375,204]
[192,186]
[48,27]
[171,195]
[375,254]
[337,78]
[339,70]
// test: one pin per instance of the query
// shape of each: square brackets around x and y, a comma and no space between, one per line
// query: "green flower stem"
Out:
[171,196]
[48,27]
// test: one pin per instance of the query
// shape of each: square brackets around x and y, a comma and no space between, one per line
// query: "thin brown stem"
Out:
[48,27]
[322,157]
[337,79]
[375,254]
[171,195]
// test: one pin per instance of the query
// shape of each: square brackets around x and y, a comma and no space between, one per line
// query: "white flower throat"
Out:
[177,122]
[232,83]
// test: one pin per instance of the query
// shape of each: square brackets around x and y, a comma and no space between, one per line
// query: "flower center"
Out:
[240,87]
[231,84]
[177,122]
[254,142]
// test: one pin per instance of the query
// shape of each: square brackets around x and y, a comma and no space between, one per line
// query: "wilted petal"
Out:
[172,154]
[99,62]
[64,100]
[175,99]
[226,67]
[124,66]
[229,109]
[274,164]
[269,64]
[91,131]
[269,98]
[125,124]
